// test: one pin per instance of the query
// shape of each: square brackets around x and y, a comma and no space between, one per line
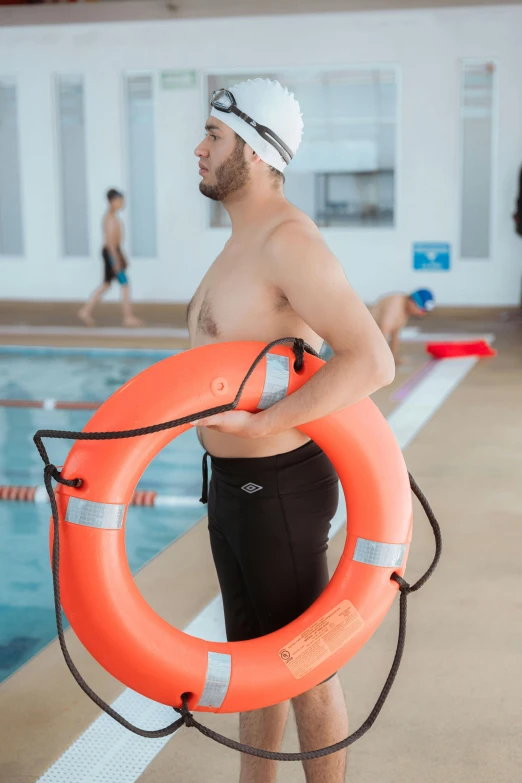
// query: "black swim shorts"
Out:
[269,520]
[110,273]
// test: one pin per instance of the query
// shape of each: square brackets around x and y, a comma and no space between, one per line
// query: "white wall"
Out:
[427,45]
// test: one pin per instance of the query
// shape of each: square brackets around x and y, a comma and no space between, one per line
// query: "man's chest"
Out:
[234,300]
[113,228]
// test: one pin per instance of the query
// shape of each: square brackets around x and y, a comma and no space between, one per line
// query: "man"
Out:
[393,312]
[115,264]
[273,492]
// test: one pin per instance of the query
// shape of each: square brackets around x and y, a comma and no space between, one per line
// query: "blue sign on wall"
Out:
[432,256]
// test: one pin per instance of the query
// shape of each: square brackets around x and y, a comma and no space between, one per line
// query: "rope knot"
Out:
[299,350]
[404,586]
[53,472]
[188,718]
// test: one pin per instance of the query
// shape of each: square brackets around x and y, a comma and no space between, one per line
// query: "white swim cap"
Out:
[270,104]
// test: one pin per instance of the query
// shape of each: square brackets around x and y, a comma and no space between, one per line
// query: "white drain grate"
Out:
[108,753]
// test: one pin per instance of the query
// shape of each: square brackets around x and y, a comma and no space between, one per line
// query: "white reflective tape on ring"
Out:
[378,554]
[276,380]
[108,516]
[219,668]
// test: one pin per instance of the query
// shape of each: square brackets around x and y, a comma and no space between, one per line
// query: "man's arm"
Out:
[313,281]
[390,321]
[300,264]
[394,344]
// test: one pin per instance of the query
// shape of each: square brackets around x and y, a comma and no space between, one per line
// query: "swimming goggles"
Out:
[223,100]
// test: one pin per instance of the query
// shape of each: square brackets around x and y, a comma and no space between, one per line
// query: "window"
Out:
[477,101]
[73,165]
[11,233]
[141,161]
[344,171]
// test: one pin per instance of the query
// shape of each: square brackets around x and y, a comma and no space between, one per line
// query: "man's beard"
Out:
[231,176]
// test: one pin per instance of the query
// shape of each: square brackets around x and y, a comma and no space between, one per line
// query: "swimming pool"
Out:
[26,600]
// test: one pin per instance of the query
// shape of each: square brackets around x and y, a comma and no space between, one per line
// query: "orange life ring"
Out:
[100,597]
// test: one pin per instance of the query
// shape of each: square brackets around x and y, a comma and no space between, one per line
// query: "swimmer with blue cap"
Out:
[393,312]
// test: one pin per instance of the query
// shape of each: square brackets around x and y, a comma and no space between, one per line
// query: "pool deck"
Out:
[57,323]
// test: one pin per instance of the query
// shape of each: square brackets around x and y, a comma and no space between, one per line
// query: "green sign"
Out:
[178,80]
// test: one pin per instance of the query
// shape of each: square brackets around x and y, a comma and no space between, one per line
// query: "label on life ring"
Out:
[320,640]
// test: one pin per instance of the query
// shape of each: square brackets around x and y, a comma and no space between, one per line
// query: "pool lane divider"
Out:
[142,497]
[52,405]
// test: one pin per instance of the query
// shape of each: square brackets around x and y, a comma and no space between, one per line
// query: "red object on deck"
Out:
[453,350]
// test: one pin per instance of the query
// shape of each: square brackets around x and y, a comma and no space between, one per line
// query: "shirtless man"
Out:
[393,312]
[276,278]
[115,264]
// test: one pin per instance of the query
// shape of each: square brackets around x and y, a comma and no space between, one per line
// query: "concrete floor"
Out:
[455,713]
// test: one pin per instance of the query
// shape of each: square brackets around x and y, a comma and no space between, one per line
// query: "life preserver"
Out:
[100,597]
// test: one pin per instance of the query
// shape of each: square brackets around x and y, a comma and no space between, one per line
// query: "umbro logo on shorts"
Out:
[251,488]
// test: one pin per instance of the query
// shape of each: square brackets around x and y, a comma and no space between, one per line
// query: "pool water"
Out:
[26,600]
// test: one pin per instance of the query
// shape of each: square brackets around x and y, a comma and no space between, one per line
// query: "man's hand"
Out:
[242,424]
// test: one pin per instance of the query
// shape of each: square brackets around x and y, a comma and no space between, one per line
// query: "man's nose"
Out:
[201,151]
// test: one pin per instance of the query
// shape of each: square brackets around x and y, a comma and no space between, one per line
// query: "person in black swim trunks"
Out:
[273,492]
[115,264]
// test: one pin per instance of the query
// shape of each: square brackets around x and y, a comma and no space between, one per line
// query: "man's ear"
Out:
[254,157]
